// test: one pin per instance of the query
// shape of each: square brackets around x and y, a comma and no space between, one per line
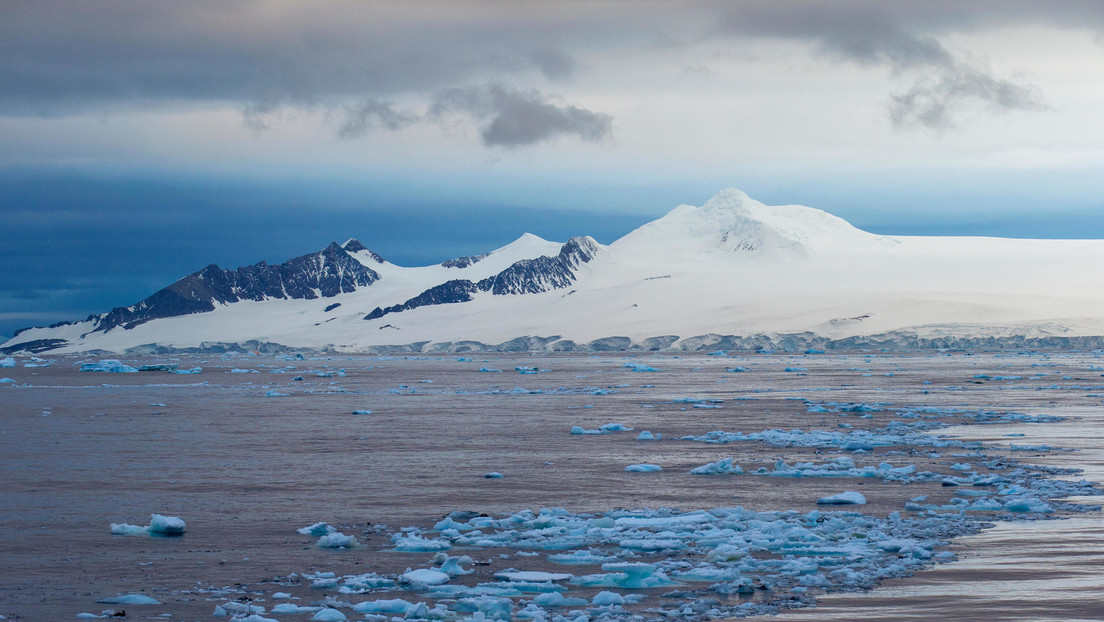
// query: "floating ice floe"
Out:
[7,362]
[112,366]
[328,615]
[317,529]
[160,525]
[895,433]
[293,608]
[492,475]
[414,542]
[531,576]
[648,436]
[362,412]
[424,576]
[275,393]
[608,428]
[720,467]
[643,468]
[844,498]
[337,540]
[129,599]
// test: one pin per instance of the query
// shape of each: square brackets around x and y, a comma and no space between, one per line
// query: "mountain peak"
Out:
[528,245]
[353,245]
[730,199]
[734,223]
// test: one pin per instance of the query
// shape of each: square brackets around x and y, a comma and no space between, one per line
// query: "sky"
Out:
[141,141]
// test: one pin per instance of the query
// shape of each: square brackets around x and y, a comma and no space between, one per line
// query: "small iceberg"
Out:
[844,498]
[111,366]
[129,599]
[337,540]
[160,525]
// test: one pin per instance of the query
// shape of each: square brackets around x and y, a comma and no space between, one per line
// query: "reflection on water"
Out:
[1038,571]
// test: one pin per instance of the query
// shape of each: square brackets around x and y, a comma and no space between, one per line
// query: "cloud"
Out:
[903,36]
[370,113]
[514,118]
[58,57]
[933,103]
[554,65]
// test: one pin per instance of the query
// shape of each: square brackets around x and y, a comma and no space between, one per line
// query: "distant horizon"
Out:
[399,238]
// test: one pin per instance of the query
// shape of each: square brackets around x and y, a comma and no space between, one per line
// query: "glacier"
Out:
[732,274]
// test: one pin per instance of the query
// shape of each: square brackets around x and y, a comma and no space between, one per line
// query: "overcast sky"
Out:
[142,140]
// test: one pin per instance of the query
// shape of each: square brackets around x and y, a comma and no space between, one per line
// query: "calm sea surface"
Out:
[79,451]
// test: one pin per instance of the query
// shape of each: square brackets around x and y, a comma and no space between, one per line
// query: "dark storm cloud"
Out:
[60,57]
[512,118]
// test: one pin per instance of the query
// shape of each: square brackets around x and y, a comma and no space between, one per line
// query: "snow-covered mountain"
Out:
[733,273]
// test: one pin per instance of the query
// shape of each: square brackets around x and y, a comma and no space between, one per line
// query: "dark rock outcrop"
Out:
[325,274]
[528,276]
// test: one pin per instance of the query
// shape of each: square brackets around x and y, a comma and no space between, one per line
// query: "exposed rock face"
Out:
[542,274]
[325,274]
[528,276]
[456,290]
[464,262]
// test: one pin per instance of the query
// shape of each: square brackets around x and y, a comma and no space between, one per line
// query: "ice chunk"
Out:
[393,605]
[424,576]
[532,576]
[648,436]
[166,525]
[643,468]
[720,467]
[362,412]
[160,525]
[275,393]
[556,599]
[337,540]
[581,557]
[129,599]
[452,565]
[844,498]
[126,529]
[615,427]
[292,608]
[493,475]
[415,543]
[7,362]
[632,575]
[317,529]
[112,366]
[328,615]
[607,599]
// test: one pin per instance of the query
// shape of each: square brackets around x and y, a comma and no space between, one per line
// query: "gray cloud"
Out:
[554,65]
[934,103]
[359,119]
[513,118]
[903,37]
[58,57]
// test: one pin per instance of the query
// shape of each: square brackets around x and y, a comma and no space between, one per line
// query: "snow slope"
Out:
[733,266]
